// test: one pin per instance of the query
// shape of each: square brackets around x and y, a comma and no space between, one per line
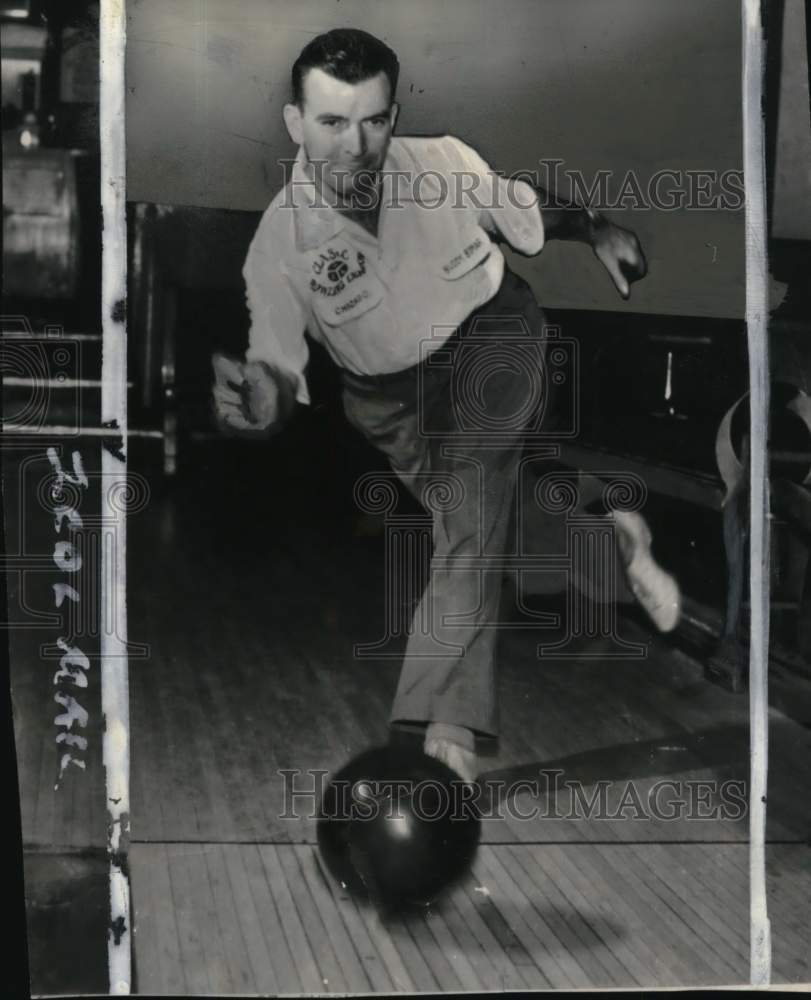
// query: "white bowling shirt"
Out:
[380,304]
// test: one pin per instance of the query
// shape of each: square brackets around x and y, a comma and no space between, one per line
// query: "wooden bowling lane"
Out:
[251,673]
[237,918]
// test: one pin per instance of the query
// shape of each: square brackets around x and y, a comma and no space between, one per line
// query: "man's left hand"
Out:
[620,253]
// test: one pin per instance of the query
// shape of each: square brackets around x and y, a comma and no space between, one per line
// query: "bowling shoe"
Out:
[656,590]
[454,746]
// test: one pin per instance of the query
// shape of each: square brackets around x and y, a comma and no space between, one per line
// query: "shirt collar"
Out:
[315,220]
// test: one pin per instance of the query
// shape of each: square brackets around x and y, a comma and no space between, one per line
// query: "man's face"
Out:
[345,129]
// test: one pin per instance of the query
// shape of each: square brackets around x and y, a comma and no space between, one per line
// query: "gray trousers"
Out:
[458,424]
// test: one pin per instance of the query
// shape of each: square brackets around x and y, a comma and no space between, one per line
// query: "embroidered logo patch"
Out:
[335,268]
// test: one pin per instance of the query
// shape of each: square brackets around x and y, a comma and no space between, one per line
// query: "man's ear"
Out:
[292,119]
[394,110]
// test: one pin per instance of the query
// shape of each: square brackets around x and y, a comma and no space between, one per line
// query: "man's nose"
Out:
[355,140]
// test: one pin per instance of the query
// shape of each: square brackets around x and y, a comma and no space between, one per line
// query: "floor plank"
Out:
[545,932]
[269,960]
[415,962]
[353,946]
[340,973]
[463,899]
[693,874]
[485,970]
[568,916]
[587,902]
[577,933]
[196,942]
[236,957]
[308,954]
[158,964]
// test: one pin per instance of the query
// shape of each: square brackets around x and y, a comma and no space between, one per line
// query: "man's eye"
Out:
[378,122]
[332,122]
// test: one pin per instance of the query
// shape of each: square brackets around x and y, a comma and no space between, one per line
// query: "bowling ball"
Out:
[397,827]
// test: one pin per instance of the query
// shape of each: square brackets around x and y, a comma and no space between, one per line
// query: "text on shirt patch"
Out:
[336,266]
[355,300]
[470,249]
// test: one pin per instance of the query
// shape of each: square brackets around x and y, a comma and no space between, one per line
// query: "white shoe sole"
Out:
[655,589]
[462,761]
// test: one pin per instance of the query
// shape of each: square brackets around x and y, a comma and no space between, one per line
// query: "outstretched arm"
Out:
[256,395]
[617,248]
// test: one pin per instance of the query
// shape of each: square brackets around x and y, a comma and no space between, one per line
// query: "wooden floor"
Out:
[239,918]
[248,671]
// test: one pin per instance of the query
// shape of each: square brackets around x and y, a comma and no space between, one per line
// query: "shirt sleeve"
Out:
[278,316]
[509,207]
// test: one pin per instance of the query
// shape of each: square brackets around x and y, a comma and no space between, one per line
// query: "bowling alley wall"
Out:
[601,85]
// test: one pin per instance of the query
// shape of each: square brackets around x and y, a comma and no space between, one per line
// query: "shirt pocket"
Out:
[469,248]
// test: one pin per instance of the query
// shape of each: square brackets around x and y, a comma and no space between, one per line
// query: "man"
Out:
[384,249]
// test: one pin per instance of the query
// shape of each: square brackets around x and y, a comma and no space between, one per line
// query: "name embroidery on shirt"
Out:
[354,301]
[469,250]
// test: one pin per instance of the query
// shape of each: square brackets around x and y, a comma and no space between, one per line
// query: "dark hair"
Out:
[348,54]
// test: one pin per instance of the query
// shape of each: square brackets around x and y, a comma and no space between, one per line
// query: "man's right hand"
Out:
[246,396]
